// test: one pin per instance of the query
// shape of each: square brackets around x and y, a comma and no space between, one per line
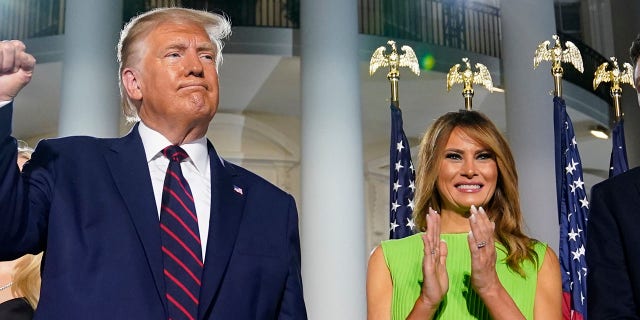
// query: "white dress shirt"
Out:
[196,169]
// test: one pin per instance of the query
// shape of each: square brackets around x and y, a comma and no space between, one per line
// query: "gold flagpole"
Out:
[557,56]
[468,78]
[616,77]
[394,61]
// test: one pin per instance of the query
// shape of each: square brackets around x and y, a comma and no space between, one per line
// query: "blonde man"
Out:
[153,225]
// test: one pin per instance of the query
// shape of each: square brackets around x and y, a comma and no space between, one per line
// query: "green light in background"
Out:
[427,62]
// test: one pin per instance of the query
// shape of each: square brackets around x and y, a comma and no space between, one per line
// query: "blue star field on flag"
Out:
[402,178]
[618,163]
[573,212]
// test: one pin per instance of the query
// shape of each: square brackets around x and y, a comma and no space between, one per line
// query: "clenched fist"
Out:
[16,68]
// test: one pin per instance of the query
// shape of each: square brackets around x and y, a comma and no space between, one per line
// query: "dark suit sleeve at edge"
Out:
[292,305]
[609,290]
[19,232]
[9,183]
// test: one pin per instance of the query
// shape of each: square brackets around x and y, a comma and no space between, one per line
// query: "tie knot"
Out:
[175,153]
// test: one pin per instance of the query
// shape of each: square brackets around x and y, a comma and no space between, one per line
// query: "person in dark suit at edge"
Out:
[20,287]
[613,240]
[119,217]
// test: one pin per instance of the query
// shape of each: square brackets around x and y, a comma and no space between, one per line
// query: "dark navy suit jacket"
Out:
[613,248]
[89,204]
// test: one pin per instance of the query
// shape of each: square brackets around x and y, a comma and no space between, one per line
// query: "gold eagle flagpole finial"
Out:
[557,56]
[468,78]
[616,77]
[394,61]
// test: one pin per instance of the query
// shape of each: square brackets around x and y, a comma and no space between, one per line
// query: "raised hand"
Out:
[483,252]
[16,68]
[434,263]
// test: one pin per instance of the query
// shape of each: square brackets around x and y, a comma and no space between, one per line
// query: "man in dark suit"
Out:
[613,239]
[97,206]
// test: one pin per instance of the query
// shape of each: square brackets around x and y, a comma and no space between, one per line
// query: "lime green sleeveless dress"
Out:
[404,260]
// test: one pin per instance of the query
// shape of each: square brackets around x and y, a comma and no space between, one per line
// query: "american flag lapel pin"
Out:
[238,190]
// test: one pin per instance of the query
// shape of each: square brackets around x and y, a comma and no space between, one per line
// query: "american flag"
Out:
[618,163]
[573,212]
[402,178]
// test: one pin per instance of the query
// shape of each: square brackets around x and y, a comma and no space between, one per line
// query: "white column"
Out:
[333,221]
[526,23]
[90,100]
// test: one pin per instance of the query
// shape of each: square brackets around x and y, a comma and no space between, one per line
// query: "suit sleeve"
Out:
[21,225]
[292,305]
[609,289]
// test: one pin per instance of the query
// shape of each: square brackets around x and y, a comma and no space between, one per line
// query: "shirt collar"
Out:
[153,142]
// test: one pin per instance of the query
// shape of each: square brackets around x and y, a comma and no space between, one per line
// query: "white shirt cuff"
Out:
[4,103]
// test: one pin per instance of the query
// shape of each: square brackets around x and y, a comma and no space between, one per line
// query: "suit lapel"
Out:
[227,204]
[130,171]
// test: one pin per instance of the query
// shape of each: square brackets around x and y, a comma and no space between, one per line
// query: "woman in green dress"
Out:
[472,260]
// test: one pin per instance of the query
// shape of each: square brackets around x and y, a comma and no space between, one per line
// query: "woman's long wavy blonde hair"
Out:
[504,206]
[26,278]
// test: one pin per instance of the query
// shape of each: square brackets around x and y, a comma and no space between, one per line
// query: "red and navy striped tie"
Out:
[181,248]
